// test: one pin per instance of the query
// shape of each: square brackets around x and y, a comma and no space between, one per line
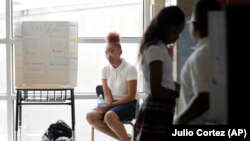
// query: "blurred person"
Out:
[193,103]
[157,110]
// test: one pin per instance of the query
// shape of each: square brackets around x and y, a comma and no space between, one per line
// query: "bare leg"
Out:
[96,120]
[113,122]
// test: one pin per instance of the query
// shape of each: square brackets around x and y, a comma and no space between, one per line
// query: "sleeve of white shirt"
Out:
[132,73]
[154,53]
[104,72]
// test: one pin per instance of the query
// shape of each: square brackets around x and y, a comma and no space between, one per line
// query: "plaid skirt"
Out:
[154,119]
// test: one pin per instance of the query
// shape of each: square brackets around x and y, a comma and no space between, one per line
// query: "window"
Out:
[170,2]
[91,59]
[2,48]
[96,18]
[3,120]
[2,19]
[35,122]
[3,69]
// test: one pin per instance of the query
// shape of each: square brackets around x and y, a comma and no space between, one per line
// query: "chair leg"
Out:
[132,125]
[92,134]
[132,137]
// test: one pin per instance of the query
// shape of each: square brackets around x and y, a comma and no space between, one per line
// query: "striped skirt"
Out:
[154,119]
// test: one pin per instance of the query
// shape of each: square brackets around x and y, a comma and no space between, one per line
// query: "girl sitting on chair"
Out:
[119,81]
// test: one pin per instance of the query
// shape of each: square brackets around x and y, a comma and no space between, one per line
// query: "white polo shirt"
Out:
[117,78]
[158,52]
[195,76]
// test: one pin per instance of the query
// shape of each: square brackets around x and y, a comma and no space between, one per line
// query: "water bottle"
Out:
[101,102]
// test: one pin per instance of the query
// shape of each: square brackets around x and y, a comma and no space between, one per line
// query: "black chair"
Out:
[99,90]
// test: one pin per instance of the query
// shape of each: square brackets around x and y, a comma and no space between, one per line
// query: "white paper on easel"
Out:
[45,54]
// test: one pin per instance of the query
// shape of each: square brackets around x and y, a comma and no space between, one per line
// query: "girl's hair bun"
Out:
[113,37]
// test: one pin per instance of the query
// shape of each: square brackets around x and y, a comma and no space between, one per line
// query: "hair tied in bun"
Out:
[113,37]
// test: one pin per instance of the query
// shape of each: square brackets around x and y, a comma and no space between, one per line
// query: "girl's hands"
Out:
[104,109]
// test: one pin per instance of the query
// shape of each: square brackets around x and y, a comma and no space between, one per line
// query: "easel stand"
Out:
[40,96]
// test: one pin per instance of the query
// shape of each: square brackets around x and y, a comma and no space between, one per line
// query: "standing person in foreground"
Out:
[119,81]
[195,75]
[156,112]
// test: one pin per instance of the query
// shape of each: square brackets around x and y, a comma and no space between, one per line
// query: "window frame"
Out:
[9,40]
